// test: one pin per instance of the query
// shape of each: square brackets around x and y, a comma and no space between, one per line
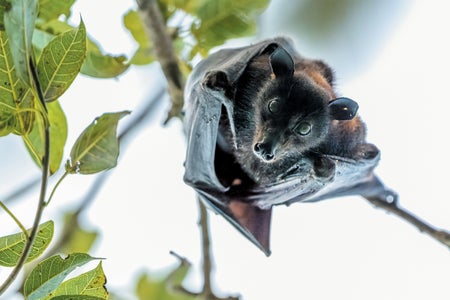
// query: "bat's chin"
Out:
[266,158]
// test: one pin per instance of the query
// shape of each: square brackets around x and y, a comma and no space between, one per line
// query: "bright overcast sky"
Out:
[337,249]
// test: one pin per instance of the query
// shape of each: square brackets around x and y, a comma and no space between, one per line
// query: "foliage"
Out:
[12,245]
[164,287]
[46,279]
[41,54]
[196,26]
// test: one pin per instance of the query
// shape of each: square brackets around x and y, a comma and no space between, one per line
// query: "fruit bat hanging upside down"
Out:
[264,127]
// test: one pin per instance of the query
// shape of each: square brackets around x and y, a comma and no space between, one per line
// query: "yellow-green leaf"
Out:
[16,102]
[164,287]
[19,25]
[11,246]
[77,237]
[77,297]
[144,53]
[101,65]
[96,64]
[4,6]
[50,10]
[91,283]
[223,20]
[133,23]
[189,6]
[40,40]
[34,141]
[49,274]
[97,148]
[60,62]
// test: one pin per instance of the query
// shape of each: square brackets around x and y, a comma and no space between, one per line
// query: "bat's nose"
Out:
[264,150]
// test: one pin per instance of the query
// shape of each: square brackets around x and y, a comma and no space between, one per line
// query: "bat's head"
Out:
[294,109]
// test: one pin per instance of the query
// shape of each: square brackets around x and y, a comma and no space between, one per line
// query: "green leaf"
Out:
[50,10]
[77,237]
[19,25]
[8,80]
[5,5]
[133,23]
[11,246]
[97,148]
[60,62]
[96,64]
[16,102]
[40,40]
[77,297]
[224,20]
[91,283]
[189,6]
[164,287]
[49,274]
[101,65]
[34,141]
[144,53]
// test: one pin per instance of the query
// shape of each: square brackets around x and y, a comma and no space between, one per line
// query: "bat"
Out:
[265,127]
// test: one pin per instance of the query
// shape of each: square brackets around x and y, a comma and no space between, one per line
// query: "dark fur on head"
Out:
[282,111]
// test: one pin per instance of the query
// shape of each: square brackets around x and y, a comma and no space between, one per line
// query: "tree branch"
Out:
[157,32]
[393,207]
[207,292]
[44,179]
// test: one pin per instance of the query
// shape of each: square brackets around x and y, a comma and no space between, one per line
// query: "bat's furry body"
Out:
[264,127]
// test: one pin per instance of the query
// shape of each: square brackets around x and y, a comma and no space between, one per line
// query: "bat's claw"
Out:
[391,197]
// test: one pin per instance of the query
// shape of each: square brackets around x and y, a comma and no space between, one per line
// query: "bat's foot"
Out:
[378,192]
[390,197]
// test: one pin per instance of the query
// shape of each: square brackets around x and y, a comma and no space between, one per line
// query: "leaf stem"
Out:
[55,187]
[44,179]
[5,208]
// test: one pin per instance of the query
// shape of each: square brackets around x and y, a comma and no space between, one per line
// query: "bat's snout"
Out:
[265,151]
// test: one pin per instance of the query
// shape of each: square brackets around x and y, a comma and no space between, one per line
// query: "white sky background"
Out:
[337,249]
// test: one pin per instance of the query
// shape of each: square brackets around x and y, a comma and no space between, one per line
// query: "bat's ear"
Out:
[343,108]
[282,63]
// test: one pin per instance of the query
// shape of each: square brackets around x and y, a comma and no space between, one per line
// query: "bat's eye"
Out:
[303,128]
[274,106]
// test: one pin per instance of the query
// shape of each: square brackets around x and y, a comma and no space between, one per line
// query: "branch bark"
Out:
[207,292]
[424,227]
[157,32]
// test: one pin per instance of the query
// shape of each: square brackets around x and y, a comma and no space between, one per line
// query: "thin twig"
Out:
[206,246]
[393,207]
[16,220]
[207,292]
[41,202]
[157,32]
[56,186]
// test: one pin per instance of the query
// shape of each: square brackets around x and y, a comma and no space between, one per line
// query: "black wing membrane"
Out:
[209,99]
